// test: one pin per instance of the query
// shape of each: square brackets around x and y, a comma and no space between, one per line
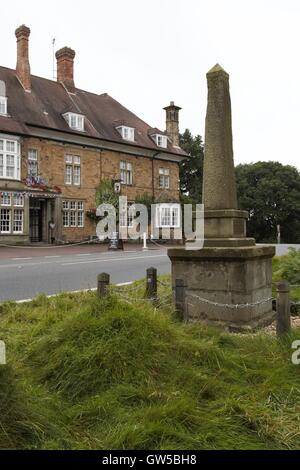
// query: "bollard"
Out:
[151,286]
[103,284]
[283,309]
[145,241]
[180,297]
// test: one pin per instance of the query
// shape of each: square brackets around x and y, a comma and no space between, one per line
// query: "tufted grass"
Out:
[85,373]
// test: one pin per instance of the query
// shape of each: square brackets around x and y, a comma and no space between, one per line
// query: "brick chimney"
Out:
[65,67]
[172,123]
[23,66]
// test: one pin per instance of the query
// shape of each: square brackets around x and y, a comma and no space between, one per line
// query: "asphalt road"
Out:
[27,272]
[24,278]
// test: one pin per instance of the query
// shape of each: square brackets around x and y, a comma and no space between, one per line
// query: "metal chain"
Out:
[231,306]
[164,284]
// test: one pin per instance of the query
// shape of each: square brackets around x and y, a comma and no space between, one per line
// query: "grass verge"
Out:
[85,373]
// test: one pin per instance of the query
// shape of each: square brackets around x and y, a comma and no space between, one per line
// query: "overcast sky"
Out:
[146,53]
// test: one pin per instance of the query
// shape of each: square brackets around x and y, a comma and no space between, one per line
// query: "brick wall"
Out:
[96,165]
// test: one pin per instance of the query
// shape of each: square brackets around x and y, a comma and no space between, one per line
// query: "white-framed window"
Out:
[168,215]
[161,140]
[9,159]
[75,121]
[126,219]
[12,213]
[126,132]
[5,220]
[73,214]
[18,200]
[126,173]
[3,106]
[72,170]
[18,221]
[33,162]
[5,199]
[164,178]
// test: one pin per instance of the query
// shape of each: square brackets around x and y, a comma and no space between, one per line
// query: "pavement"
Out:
[28,271]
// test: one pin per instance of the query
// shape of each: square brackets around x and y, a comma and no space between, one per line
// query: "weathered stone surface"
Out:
[231,276]
[219,187]
[230,271]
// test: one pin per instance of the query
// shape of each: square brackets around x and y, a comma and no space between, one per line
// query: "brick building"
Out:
[58,142]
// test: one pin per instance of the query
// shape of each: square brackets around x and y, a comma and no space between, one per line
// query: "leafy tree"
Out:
[270,192]
[191,169]
[105,194]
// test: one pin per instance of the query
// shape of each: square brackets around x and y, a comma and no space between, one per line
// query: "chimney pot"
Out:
[23,65]
[65,67]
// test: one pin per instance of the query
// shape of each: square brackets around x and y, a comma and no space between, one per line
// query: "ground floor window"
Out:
[126,219]
[73,214]
[18,221]
[168,215]
[5,220]
[11,213]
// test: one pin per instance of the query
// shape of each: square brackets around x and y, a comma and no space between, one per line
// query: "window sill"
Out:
[10,179]
[168,226]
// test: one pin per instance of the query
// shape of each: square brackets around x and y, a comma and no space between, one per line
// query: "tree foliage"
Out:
[270,192]
[105,194]
[191,169]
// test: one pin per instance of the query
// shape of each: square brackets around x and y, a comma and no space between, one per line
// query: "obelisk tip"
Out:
[217,69]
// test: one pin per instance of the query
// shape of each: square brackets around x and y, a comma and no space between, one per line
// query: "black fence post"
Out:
[151,286]
[180,297]
[283,308]
[103,284]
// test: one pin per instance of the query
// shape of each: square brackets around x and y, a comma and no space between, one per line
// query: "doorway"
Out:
[36,209]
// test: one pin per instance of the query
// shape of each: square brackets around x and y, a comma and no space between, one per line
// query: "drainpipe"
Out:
[153,189]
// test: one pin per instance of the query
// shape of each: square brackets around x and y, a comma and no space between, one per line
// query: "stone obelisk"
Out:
[229,281]
[219,188]
[224,224]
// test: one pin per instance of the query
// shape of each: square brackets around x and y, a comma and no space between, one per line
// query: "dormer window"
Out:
[161,140]
[3,99]
[126,132]
[75,121]
[3,106]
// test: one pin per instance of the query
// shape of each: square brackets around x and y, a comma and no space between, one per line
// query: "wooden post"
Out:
[151,286]
[283,309]
[180,297]
[103,284]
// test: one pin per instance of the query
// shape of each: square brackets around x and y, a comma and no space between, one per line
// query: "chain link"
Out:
[231,306]
[164,284]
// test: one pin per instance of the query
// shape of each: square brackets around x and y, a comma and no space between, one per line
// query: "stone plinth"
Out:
[226,227]
[225,275]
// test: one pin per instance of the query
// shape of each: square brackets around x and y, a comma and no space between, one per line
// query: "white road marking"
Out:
[20,259]
[54,256]
[93,289]
[122,284]
[113,259]
[85,254]
[42,262]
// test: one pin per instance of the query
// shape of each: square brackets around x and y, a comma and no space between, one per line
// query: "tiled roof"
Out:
[48,101]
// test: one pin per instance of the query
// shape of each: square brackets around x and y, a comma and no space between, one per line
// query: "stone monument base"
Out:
[219,278]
